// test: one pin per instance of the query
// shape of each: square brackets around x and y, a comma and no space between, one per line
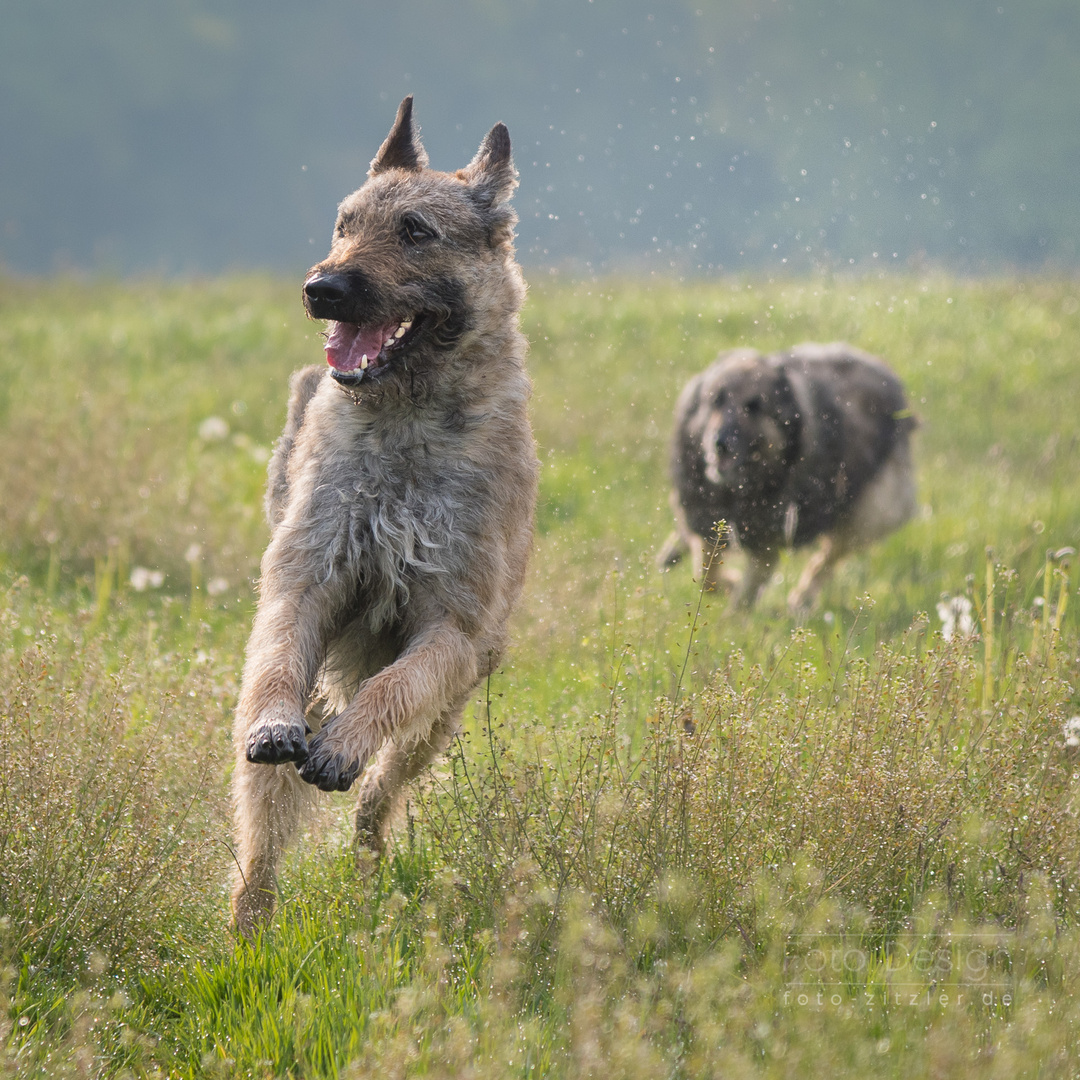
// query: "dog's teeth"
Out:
[363,362]
[404,326]
[401,331]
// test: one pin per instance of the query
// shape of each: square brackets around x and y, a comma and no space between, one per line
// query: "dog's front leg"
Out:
[402,702]
[759,567]
[284,653]
[286,647]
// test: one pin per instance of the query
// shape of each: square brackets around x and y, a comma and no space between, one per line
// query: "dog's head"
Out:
[749,423]
[417,257]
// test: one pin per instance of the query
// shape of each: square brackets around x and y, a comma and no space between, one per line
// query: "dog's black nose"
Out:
[326,288]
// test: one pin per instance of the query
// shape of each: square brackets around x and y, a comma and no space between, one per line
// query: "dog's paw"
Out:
[328,769]
[275,741]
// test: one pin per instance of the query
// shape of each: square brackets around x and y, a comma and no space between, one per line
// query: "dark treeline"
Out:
[745,135]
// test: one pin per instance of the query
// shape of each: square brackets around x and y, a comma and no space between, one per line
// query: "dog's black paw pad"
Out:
[328,770]
[275,743]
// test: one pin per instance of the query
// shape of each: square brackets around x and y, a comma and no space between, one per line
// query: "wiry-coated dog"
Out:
[400,501]
[785,449]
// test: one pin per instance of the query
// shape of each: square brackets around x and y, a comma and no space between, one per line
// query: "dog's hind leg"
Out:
[817,571]
[394,766]
[268,802]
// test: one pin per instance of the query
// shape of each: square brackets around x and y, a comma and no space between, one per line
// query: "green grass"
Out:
[673,840]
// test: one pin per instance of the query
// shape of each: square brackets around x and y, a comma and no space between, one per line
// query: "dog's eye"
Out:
[415,230]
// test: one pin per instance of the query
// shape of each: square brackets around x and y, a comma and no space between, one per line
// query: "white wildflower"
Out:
[213,429]
[955,615]
[143,579]
[1072,732]
[217,585]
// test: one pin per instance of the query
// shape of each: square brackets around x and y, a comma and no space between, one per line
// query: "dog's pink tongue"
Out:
[347,344]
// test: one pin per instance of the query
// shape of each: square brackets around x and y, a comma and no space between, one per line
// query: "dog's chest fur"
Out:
[389,496]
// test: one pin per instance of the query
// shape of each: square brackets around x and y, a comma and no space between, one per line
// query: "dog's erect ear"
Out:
[491,174]
[402,149]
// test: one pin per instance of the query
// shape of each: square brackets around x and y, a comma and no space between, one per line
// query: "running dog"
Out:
[811,444]
[400,502]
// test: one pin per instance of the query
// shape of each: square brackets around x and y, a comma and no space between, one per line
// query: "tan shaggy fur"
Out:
[400,500]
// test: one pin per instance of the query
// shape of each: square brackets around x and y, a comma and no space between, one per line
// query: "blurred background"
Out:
[697,137]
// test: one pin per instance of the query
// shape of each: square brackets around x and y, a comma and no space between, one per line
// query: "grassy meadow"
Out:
[673,840]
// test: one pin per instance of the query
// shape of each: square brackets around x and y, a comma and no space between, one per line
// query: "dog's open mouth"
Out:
[355,351]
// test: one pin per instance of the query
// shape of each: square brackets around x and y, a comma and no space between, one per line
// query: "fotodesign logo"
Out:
[834,969]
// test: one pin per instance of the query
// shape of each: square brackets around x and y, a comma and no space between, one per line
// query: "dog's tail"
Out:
[672,552]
